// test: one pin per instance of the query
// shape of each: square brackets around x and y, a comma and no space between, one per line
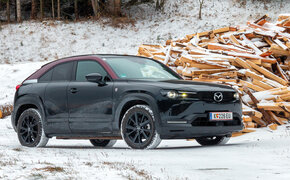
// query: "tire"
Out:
[138,128]
[214,140]
[30,129]
[103,142]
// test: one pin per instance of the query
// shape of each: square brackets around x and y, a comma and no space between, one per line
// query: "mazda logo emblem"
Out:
[218,96]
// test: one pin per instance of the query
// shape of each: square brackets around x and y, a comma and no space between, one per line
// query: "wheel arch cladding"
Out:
[25,102]
[131,100]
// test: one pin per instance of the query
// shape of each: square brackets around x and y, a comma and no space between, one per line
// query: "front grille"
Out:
[204,121]
[209,96]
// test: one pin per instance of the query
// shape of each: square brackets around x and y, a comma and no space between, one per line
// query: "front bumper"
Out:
[191,119]
[187,131]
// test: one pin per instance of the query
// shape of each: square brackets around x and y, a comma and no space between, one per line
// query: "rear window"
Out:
[46,76]
[61,72]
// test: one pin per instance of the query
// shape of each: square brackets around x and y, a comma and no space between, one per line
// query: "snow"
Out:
[25,47]
[259,155]
[13,74]
[262,95]
[36,41]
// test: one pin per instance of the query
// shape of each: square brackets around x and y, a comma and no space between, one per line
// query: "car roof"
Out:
[98,57]
[101,56]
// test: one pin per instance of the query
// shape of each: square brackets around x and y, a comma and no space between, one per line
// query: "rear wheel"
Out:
[103,142]
[138,128]
[30,129]
[213,140]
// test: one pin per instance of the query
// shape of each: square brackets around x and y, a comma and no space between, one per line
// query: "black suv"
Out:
[108,97]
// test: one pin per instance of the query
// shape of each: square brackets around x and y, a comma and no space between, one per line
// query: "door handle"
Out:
[73,90]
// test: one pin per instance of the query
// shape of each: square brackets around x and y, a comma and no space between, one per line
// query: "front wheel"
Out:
[103,142]
[213,140]
[138,128]
[30,129]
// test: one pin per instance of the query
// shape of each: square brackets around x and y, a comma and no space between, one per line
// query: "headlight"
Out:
[172,94]
[237,96]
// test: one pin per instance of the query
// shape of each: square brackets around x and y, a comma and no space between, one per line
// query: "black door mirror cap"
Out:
[96,78]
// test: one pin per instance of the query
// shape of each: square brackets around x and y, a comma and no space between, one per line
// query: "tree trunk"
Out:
[18,5]
[117,8]
[58,9]
[15,10]
[95,4]
[8,10]
[76,9]
[200,8]
[52,9]
[41,9]
[33,9]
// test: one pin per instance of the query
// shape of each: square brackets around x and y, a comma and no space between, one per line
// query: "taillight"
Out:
[18,86]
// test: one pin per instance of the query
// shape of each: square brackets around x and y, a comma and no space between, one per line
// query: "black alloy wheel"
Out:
[29,129]
[138,128]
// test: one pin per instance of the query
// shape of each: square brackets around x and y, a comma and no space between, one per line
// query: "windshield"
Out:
[139,68]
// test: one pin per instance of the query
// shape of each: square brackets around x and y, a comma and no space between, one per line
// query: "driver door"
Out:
[90,104]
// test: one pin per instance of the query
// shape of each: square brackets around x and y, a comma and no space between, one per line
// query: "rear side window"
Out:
[62,72]
[86,67]
[46,76]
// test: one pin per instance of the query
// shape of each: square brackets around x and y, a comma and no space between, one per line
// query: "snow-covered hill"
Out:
[45,41]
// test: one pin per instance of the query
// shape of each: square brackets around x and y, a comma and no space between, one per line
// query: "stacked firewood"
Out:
[5,110]
[255,60]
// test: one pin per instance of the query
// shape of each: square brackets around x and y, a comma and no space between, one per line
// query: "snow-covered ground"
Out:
[259,155]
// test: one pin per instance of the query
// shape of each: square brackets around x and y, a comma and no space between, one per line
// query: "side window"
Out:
[46,76]
[86,67]
[62,72]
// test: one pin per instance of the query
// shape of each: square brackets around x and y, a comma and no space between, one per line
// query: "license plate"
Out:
[220,116]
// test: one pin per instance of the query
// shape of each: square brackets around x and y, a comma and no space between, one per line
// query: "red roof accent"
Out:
[50,65]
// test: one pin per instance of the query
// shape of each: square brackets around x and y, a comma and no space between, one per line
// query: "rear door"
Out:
[90,104]
[55,98]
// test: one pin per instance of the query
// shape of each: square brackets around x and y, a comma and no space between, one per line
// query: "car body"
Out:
[72,107]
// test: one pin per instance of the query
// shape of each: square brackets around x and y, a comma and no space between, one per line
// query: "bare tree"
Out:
[8,10]
[52,9]
[33,9]
[117,7]
[76,9]
[95,4]
[159,5]
[18,8]
[15,10]
[58,9]
[200,8]
[41,9]
[114,7]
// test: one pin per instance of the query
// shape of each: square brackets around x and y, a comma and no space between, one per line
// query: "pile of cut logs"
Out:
[255,60]
[5,110]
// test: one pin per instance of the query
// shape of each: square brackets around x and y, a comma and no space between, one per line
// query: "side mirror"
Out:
[95,77]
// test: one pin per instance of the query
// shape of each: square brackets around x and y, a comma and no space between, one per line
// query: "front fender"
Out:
[133,97]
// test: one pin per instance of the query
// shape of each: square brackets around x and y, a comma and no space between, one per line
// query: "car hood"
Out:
[183,85]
